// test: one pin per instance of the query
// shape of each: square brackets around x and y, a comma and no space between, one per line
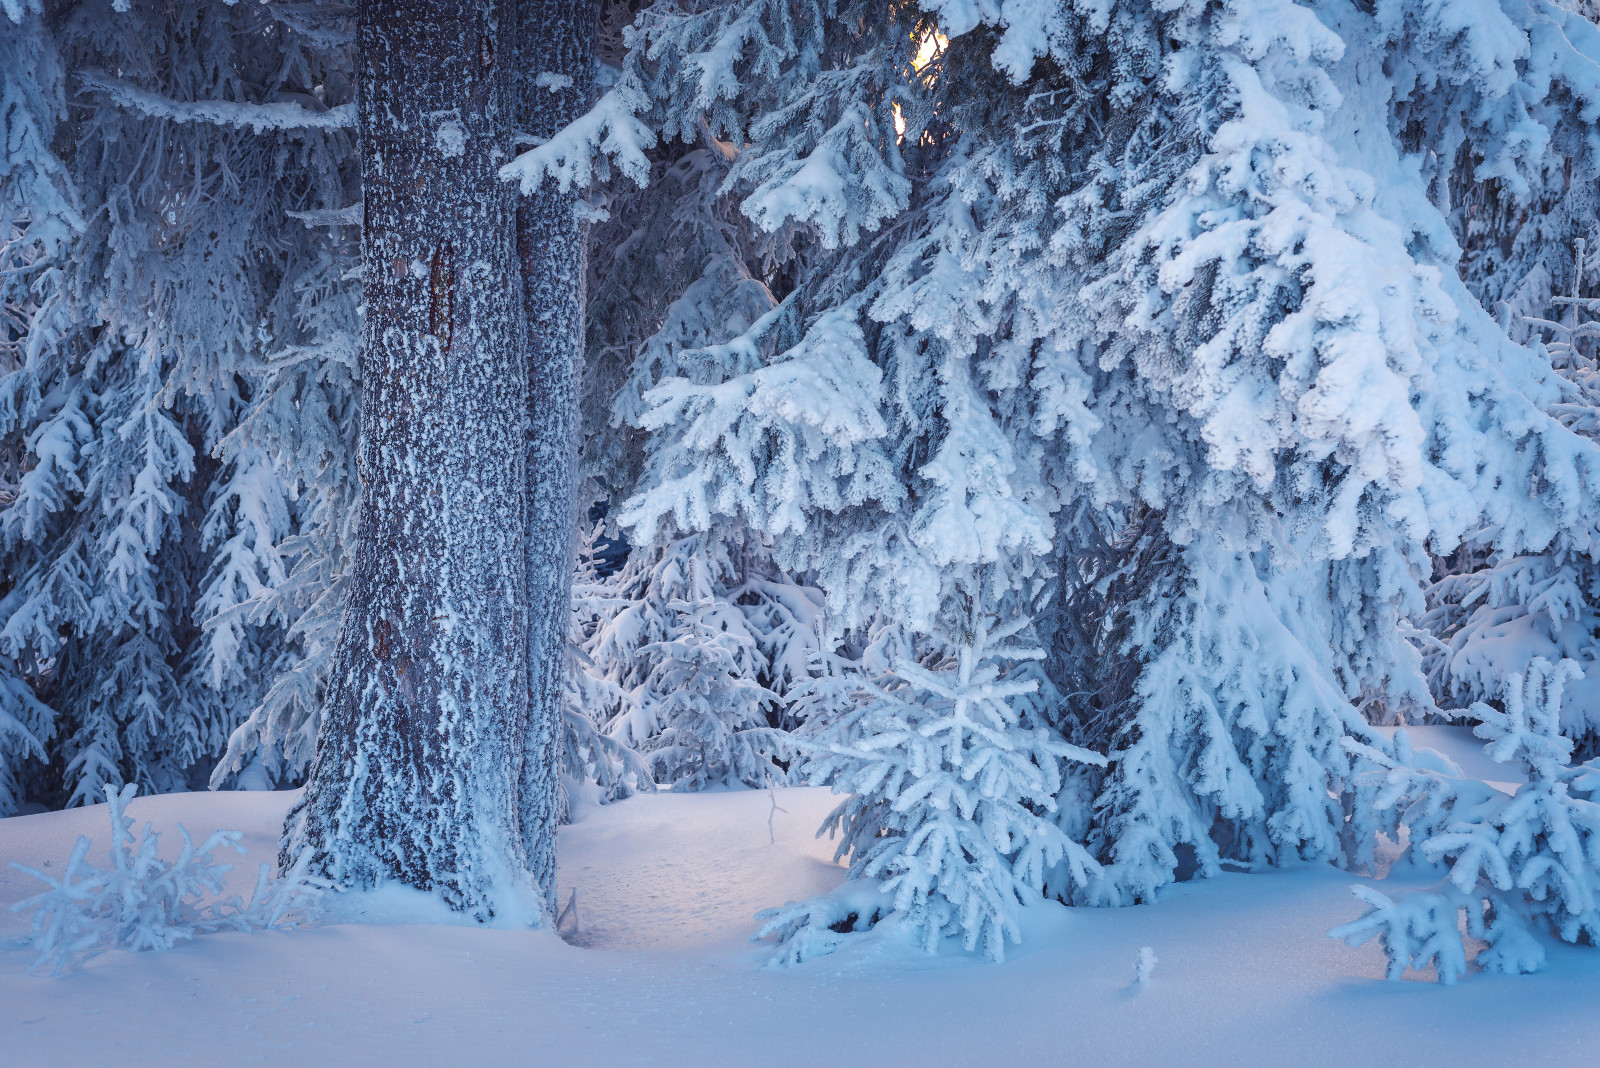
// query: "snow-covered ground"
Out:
[663,972]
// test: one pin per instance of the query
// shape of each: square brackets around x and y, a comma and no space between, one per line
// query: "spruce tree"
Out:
[1164,280]
[164,235]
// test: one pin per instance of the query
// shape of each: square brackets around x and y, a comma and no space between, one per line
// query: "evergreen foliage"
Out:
[1518,866]
[1496,611]
[952,780]
[690,650]
[1239,355]
[1170,279]
[159,287]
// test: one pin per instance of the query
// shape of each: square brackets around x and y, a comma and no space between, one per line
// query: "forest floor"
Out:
[661,969]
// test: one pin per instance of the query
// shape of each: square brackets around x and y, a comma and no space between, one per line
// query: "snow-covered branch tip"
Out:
[15,9]
[578,155]
[258,118]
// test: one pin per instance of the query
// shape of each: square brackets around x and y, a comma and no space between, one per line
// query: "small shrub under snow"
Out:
[145,902]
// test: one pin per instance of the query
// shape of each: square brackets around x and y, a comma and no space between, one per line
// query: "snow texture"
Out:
[667,884]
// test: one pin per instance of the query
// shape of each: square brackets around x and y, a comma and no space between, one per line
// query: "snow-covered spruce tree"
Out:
[677,277]
[1516,196]
[38,218]
[1156,261]
[693,385]
[686,639]
[126,536]
[953,774]
[672,588]
[420,753]
[1496,610]
[1462,459]
[1225,317]
[1518,867]
[304,415]
[1514,167]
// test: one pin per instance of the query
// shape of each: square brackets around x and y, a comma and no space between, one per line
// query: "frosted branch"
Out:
[257,117]
[578,154]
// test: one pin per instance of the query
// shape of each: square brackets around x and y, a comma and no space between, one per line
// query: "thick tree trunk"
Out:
[555,60]
[417,774]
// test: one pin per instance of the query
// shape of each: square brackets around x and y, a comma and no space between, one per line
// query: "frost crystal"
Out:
[450,139]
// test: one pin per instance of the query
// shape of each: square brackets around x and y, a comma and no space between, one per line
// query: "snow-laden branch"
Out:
[579,153]
[257,117]
[143,902]
[15,9]
[349,215]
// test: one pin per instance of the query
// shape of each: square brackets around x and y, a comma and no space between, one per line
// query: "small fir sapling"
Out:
[593,762]
[1518,867]
[680,622]
[701,720]
[952,781]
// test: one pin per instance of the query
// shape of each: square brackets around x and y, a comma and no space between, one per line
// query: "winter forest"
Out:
[1081,460]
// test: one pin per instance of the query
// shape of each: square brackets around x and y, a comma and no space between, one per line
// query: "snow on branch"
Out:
[15,9]
[577,155]
[257,117]
[349,215]
[808,424]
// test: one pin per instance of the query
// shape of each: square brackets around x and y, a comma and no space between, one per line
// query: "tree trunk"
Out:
[555,60]
[416,778]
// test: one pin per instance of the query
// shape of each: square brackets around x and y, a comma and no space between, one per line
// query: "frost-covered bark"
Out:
[554,50]
[416,777]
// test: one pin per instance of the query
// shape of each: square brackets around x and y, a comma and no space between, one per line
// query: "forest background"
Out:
[1069,429]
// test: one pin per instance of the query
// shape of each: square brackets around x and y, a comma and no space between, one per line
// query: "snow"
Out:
[1465,751]
[666,887]
[256,117]
[450,139]
[710,866]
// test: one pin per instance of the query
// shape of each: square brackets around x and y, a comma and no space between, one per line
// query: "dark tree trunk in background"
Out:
[418,769]
[555,60]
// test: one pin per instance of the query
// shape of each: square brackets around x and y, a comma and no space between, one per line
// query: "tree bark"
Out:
[555,59]
[417,774]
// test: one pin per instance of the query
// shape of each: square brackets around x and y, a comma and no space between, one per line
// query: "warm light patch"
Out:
[933,44]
